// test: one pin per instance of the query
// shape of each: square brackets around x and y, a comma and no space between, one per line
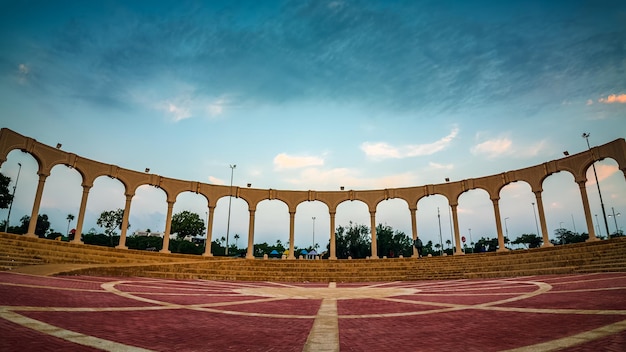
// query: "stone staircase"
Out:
[18,251]
[599,256]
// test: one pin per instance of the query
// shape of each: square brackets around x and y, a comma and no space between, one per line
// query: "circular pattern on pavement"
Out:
[541,313]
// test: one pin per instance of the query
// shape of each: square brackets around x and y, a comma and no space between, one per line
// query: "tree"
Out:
[354,241]
[530,240]
[236,240]
[186,224]
[42,227]
[110,221]
[486,245]
[69,218]
[5,196]
[564,236]
[392,243]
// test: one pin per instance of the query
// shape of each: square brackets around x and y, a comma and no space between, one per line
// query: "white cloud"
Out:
[314,178]
[440,166]
[382,150]
[216,181]
[614,98]
[603,172]
[178,112]
[532,150]
[283,161]
[217,107]
[493,147]
[22,73]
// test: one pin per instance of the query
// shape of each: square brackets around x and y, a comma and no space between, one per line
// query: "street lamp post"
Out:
[595,174]
[440,238]
[313,232]
[597,223]
[536,224]
[506,228]
[615,219]
[6,225]
[230,197]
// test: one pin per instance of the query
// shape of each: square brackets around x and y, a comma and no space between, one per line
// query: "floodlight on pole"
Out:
[440,238]
[506,228]
[535,212]
[313,232]
[6,224]
[595,174]
[615,219]
[230,197]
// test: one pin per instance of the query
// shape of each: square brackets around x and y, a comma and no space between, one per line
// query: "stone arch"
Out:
[521,220]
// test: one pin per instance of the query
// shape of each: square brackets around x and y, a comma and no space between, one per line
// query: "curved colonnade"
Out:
[47,157]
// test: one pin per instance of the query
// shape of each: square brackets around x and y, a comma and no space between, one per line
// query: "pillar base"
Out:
[547,244]
[502,249]
[207,254]
[166,251]
[249,256]
[592,239]
[77,241]
[459,253]
[31,235]
[332,258]
[121,247]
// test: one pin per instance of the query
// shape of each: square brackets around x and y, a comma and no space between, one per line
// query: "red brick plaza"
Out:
[536,313]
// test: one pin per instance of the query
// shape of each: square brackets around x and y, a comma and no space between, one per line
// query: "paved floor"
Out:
[539,313]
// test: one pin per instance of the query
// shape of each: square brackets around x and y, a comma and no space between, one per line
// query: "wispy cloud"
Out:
[493,147]
[437,166]
[504,146]
[284,161]
[315,178]
[216,181]
[177,112]
[382,150]
[614,98]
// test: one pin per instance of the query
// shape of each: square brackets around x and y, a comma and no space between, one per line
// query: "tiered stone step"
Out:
[599,256]
[22,250]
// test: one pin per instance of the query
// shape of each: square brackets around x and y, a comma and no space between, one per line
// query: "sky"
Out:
[315,95]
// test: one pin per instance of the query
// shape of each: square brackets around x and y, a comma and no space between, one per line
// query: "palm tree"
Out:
[69,218]
[236,238]
[448,242]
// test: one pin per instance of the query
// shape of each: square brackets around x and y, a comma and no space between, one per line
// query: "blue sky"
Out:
[315,95]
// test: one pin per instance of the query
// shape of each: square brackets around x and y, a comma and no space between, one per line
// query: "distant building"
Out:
[148,234]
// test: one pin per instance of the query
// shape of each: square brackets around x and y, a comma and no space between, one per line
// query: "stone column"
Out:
[122,244]
[413,211]
[209,233]
[457,237]
[168,227]
[496,211]
[542,220]
[333,247]
[583,195]
[373,231]
[124,229]
[81,214]
[292,221]
[250,253]
[32,225]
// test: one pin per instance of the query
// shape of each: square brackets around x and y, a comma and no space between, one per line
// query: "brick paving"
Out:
[538,313]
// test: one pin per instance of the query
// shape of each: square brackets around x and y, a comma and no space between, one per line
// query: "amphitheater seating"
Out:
[601,256]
